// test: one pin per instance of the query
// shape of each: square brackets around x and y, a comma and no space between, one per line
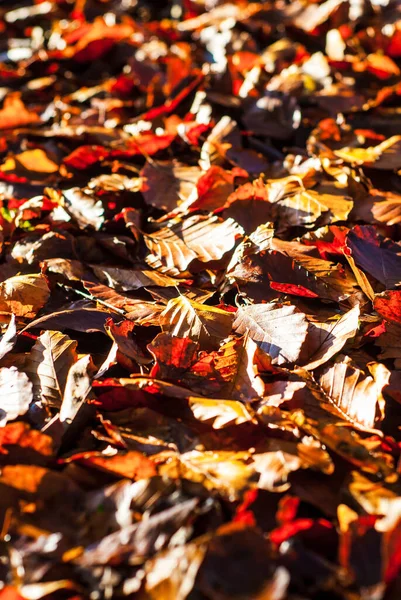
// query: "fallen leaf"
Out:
[204,324]
[24,295]
[236,363]
[15,394]
[176,246]
[279,331]
[48,365]
[324,340]
[15,114]
[359,396]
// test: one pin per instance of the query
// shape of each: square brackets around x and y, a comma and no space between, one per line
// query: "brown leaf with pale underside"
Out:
[174,247]
[324,340]
[357,395]
[48,365]
[204,324]
[236,364]
[279,331]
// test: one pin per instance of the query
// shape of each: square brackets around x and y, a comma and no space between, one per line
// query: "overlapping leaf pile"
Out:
[200,300]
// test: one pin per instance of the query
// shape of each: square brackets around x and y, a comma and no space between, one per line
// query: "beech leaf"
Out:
[24,295]
[15,394]
[324,340]
[279,331]
[174,247]
[357,395]
[204,324]
[48,365]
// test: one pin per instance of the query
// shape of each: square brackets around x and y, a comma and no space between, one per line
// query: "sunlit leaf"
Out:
[324,340]
[48,365]
[237,365]
[219,412]
[279,331]
[204,324]
[24,295]
[15,394]
[204,238]
[358,395]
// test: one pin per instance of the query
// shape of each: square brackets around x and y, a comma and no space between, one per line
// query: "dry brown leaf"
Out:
[24,295]
[324,340]
[124,280]
[48,365]
[168,185]
[386,155]
[171,575]
[204,324]
[236,364]
[77,387]
[357,395]
[174,247]
[279,330]
[31,160]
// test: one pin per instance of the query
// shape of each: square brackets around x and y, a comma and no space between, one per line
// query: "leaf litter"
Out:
[200,303]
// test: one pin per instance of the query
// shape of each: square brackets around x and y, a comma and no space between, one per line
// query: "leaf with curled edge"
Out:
[24,295]
[386,207]
[357,395]
[279,330]
[48,364]
[125,280]
[257,241]
[140,311]
[235,362]
[249,205]
[204,324]
[284,457]
[86,320]
[175,246]
[173,355]
[15,394]
[294,264]
[122,334]
[324,340]
[373,255]
[348,444]
[77,387]
[386,155]
[305,207]
[220,412]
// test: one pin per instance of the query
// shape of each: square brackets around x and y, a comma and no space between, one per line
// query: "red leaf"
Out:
[388,305]
[290,288]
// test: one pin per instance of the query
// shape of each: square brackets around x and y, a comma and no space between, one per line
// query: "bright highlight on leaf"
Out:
[200,300]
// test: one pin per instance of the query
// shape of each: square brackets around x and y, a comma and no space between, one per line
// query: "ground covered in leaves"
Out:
[200,302]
